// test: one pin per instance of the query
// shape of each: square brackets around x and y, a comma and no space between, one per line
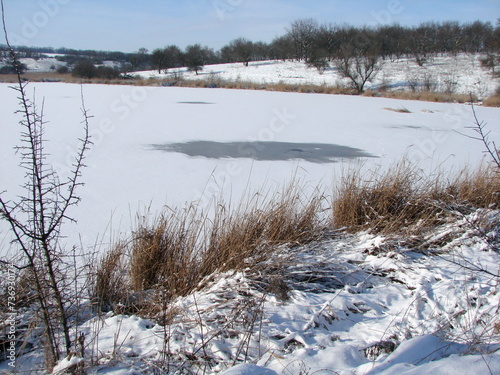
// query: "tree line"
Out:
[304,40]
[307,40]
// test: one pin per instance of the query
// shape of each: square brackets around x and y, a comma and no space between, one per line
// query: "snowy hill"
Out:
[461,74]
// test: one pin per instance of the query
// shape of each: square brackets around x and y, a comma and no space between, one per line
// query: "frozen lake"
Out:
[223,143]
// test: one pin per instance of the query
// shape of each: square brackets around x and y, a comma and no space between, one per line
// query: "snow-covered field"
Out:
[461,74]
[421,306]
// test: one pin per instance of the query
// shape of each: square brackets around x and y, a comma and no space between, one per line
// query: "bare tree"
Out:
[358,68]
[282,48]
[158,59]
[303,33]
[240,50]
[35,218]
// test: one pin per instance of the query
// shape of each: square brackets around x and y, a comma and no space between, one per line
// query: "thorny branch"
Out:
[483,136]
[35,219]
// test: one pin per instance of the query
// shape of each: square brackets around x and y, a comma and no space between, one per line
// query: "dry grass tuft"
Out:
[293,219]
[164,253]
[250,235]
[492,101]
[404,200]
[178,250]
[111,279]
[398,110]
[479,188]
[387,202]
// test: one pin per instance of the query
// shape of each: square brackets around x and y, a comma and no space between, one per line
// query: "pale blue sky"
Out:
[127,25]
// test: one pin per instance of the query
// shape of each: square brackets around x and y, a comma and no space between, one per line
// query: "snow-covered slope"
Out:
[460,74]
[352,304]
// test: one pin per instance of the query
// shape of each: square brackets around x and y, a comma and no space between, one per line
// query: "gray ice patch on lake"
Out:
[265,151]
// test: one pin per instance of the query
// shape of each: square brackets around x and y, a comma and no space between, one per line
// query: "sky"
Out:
[127,25]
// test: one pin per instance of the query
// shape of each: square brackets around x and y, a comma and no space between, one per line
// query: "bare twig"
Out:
[490,146]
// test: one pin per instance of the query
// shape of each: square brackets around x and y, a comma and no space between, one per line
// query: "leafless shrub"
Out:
[359,69]
[450,84]
[425,82]
[429,83]
[413,83]
[490,61]
[36,217]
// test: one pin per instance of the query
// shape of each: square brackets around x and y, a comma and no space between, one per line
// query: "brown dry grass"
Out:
[217,82]
[250,235]
[164,253]
[181,247]
[178,250]
[428,96]
[36,77]
[479,188]
[492,101]
[68,78]
[384,202]
[111,281]
[402,199]
[398,110]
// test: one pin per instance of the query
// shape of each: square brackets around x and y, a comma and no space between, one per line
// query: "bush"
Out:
[359,69]
[320,63]
[11,69]
[86,69]
[490,61]
[63,69]
[106,72]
